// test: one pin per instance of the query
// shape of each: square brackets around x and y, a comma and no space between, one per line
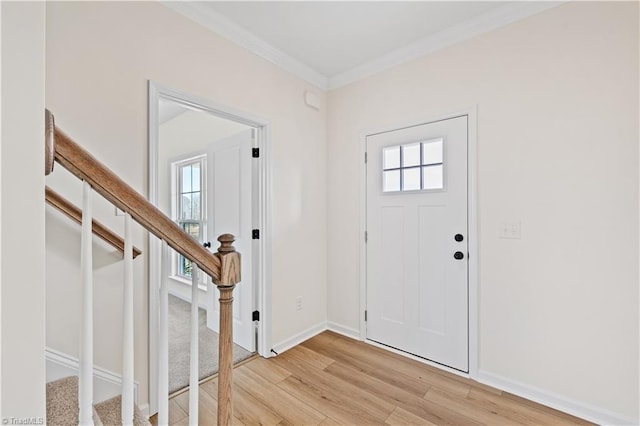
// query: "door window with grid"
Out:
[413,167]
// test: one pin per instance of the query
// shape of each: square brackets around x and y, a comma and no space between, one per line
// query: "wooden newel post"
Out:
[229,277]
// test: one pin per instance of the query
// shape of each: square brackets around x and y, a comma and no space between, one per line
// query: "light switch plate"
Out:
[510,230]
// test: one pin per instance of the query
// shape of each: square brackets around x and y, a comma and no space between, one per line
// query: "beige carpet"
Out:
[62,406]
[62,402]
[110,411]
[179,344]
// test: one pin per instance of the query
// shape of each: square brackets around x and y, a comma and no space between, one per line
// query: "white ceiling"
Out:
[333,37]
[332,43]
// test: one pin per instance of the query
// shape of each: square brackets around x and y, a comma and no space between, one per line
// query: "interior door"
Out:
[230,211]
[417,268]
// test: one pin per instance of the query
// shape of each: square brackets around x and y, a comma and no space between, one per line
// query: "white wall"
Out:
[557,99]
[99,57]
[22,178]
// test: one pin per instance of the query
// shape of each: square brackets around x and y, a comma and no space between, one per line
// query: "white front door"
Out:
[417,239]
[230,211]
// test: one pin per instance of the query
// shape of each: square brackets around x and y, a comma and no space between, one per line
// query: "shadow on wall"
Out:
[63,236]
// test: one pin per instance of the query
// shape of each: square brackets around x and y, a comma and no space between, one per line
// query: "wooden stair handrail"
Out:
[83,165]
[223,267]
[72,211]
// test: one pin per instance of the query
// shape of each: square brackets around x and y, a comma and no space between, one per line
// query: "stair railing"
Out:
[73,212]
[223,267]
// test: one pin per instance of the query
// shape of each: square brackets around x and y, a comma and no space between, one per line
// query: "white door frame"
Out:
[472,206]
[262,218]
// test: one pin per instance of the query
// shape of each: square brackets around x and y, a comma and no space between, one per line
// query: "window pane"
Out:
[411,155]
[195,206]
[195,177]
[432,177]
[411,179]
[391,181]
[185,214]
[391,157]
[185,266]
[432,152]
[186,179]
[192,229]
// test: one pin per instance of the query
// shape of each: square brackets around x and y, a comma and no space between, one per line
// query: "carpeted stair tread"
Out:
[109,412]
[62,406]
[62,402]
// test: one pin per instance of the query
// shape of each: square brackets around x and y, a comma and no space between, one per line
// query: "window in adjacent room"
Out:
[189,205]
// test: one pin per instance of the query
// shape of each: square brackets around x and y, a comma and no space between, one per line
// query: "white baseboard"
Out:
[299,338]
[579,409]
[106,384]
[182,291]
[344,330]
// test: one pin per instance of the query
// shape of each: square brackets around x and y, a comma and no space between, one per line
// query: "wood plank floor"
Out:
[333,380]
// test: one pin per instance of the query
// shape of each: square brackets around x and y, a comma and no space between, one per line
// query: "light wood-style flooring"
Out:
[333,380]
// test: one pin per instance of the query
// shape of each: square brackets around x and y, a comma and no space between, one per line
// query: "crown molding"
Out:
[226,28]
[486,22]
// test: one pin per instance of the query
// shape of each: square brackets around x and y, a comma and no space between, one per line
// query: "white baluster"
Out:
[85,380]
[127,331]
[163,340]
[193,357]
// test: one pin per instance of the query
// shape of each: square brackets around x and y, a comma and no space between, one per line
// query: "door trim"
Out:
[262,218]
[472,215]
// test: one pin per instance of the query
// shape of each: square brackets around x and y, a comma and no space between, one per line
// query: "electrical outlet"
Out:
[299,303]
[510,230]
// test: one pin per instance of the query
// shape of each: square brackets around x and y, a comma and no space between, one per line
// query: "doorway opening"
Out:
[208,170]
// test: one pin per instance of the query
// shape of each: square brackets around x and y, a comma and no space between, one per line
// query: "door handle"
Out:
[207,244]
[458,237]
[458,255]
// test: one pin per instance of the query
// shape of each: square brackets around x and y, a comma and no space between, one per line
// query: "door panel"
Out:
[416,203]
[432,268]
[392,231]
[227,187]
[230,204]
